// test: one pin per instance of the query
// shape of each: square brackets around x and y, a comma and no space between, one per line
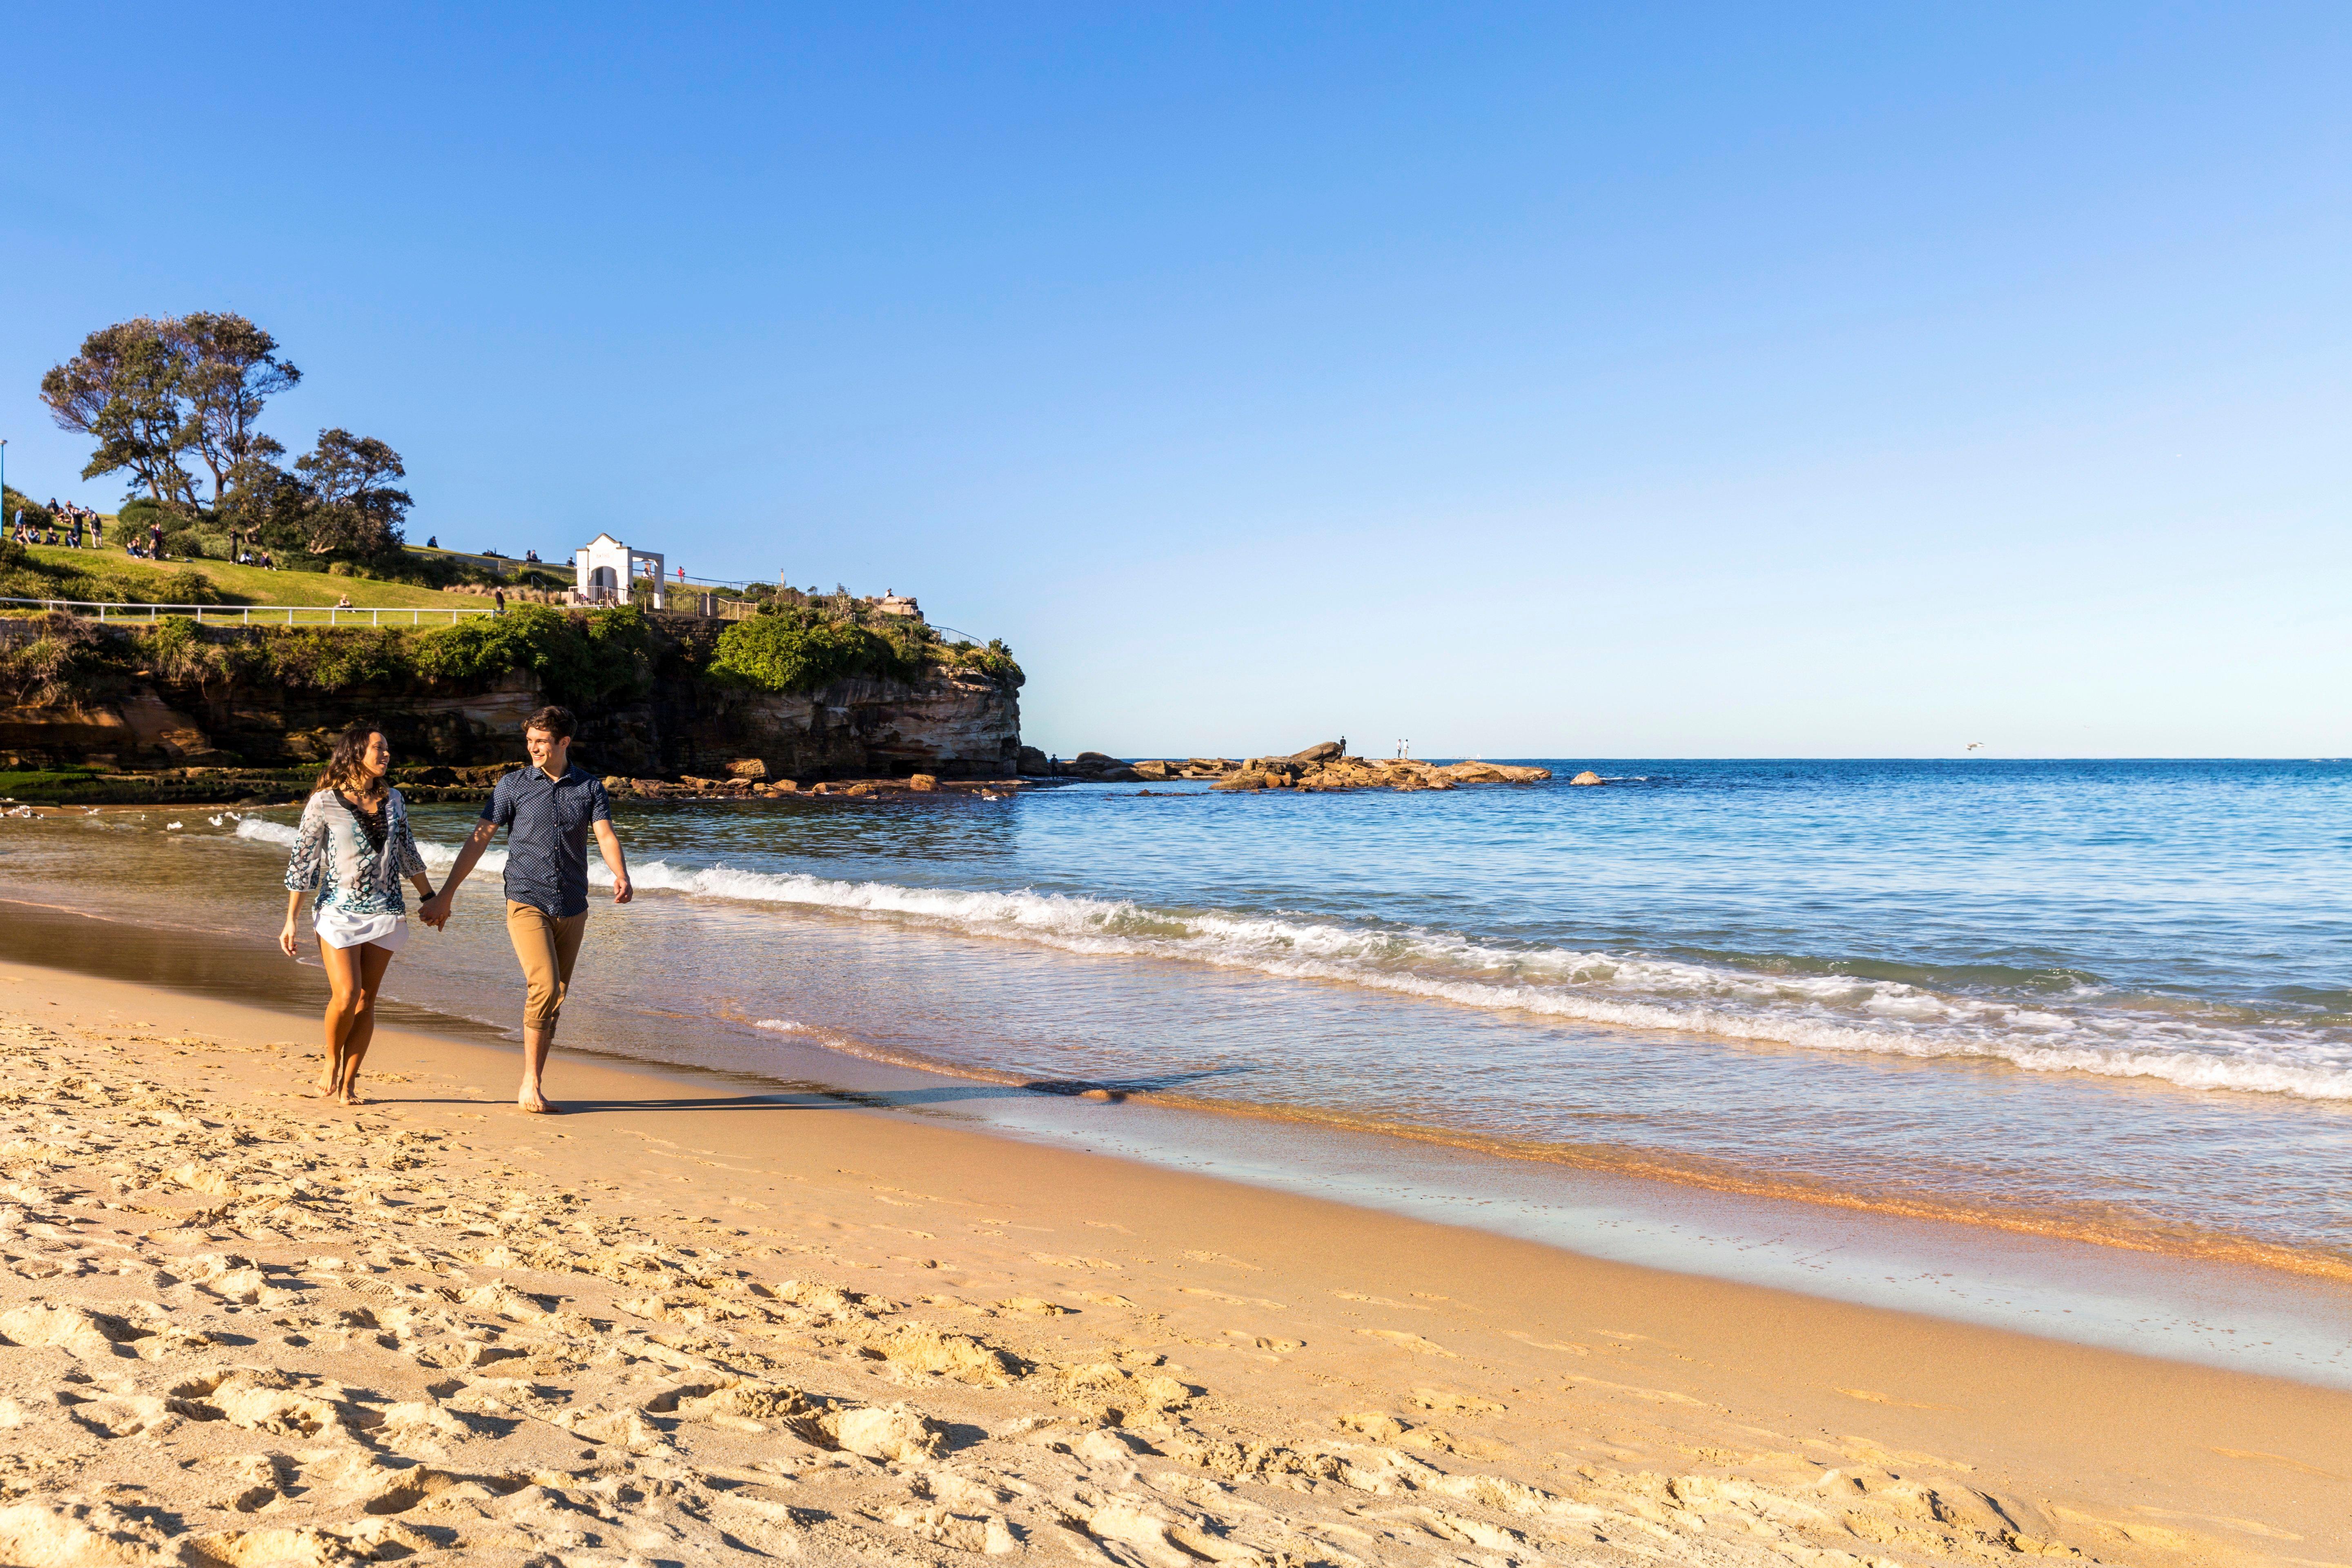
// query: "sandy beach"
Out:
[243,1326]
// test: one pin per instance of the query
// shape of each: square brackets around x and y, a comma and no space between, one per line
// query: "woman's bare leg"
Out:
[343,1007]
[372,962]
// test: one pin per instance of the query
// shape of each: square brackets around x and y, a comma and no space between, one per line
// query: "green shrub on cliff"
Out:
[579,660]
[331,660]
[995,662]
[794,650]
[70,660]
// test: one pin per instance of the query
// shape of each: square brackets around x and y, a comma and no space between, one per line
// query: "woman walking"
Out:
[353,849]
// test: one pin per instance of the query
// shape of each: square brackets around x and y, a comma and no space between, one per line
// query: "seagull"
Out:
[1976,745]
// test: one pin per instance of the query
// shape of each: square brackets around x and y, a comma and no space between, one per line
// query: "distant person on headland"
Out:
[499,601]
[549,809]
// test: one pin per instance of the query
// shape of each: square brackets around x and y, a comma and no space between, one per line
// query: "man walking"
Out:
[549,809]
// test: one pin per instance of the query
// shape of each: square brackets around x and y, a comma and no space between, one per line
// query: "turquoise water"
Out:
[2095,999]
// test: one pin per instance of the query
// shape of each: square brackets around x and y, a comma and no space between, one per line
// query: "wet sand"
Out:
[683,1321]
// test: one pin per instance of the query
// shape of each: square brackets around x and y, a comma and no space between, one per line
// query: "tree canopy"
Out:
[156,391]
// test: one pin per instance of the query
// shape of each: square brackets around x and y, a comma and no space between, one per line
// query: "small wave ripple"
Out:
[2084,1030]
[1822,1011]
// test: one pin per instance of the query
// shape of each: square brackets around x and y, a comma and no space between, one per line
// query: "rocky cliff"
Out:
[946,722]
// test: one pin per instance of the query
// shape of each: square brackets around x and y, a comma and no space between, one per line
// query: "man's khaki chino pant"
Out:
[546,945]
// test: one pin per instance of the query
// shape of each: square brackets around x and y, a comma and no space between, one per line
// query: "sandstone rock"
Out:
[859,790]
[1093,760]
[613,783]
[747,768]
[1033,762]
[1323,753]
[693,783]
[1120,775]
[1245,779]
[1155,772]
[786,786]
[923,781]
[1587,777]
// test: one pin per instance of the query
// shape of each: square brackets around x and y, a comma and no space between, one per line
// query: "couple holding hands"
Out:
[355,846]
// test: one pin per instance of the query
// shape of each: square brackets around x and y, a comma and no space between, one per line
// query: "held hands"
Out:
[435,912]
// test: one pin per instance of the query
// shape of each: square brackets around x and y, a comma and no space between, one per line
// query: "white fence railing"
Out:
[261,615]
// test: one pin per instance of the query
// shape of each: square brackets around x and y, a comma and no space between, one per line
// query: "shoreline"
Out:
[2229,1313]
[1427,1383]
[1685,1169]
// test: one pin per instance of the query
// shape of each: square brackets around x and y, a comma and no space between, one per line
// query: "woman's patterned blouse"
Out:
[333,855]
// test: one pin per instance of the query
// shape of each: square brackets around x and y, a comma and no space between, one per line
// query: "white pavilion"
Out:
[605,567]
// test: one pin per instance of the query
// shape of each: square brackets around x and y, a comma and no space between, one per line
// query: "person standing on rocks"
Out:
[549,809]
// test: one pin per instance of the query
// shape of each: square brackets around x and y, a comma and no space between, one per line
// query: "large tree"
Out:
[339,501]
[230,369]
[124,392]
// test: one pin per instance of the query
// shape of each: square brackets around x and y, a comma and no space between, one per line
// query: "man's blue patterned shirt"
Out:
[546,835]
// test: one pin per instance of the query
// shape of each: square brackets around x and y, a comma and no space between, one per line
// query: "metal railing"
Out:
[259,615]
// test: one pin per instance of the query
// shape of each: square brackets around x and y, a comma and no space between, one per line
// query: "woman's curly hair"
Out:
[344,770]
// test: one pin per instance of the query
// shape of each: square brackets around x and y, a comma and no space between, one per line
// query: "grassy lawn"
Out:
[251,584]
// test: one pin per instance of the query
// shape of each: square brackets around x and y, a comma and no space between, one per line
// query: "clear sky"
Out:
[1566,380]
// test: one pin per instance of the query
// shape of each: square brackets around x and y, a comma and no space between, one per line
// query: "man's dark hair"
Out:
[556,722]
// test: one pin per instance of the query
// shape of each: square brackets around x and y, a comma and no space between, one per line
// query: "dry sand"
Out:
[239,1325]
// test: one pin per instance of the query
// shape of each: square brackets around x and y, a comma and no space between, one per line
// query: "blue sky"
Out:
[1561,381]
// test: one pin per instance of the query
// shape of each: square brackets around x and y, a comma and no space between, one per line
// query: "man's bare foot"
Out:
[530,1099]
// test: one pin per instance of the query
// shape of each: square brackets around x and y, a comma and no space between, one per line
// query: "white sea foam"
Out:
[435,855]
[1820,1011]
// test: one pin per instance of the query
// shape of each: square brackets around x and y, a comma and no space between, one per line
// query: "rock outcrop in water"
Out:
[1319,767]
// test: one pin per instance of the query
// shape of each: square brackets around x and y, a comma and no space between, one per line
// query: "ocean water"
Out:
[2106,1001]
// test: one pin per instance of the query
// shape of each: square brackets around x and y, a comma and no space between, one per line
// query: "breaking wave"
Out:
[2082,1029]
[1820,1011]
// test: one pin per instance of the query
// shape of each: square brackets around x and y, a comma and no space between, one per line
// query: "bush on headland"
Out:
[801,648]
[605,655]
[583,660]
